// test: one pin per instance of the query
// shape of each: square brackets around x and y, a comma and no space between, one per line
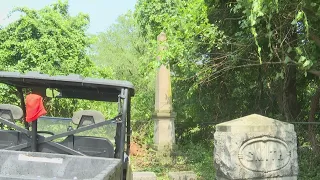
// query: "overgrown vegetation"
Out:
[228,59]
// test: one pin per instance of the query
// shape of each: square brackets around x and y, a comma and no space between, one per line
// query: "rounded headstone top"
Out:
[253,123]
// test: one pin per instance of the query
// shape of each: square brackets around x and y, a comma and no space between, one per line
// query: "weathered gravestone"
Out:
[255,147]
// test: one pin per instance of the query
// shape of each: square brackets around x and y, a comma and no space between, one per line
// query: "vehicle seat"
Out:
[11,137]
[87,117]
[10,112]
[93,146]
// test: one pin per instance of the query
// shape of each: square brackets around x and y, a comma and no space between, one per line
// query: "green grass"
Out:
[309,162]
[190,157]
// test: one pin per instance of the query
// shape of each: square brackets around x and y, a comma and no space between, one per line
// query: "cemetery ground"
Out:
[189,157]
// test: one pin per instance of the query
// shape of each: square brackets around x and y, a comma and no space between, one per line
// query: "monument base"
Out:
[163,147]
[164,130]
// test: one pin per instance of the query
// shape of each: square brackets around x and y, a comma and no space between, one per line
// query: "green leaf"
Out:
[287,59]
[268,26]
[306,63]
[298,50]
[302,59]
[299,15]
[279,75]
[294,22]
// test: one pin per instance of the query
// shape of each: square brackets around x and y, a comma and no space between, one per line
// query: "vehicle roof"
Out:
[71,86]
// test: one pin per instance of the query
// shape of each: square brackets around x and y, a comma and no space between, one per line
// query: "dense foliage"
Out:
[53,42]
[237,56]
[48,40]
[123,49]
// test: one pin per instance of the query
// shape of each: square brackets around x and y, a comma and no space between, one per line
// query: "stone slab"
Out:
[144,176]
[182,175]
[255,147]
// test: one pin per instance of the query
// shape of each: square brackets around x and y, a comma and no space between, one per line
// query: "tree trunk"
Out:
[313,109]
[290,104]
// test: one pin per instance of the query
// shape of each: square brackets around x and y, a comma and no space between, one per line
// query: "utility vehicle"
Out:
[30,151]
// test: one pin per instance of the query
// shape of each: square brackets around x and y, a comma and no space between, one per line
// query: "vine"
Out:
[254,10]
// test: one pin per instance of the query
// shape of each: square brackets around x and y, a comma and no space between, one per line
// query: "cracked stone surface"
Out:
[255,147]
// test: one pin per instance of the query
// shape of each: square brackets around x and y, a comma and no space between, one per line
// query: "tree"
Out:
[47,40]
[284,40]
[50,41]
[238,56]
[123,49]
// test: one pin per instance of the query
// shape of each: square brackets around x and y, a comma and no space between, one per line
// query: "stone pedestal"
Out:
[164,130]
[255,147]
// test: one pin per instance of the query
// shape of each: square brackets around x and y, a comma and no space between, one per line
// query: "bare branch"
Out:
[314,72]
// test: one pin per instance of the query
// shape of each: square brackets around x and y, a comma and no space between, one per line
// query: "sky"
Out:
[103,13]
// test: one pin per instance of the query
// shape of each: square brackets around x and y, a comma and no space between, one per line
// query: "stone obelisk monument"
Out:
[164,129]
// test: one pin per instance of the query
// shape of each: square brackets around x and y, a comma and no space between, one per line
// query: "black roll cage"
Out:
[122,120]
